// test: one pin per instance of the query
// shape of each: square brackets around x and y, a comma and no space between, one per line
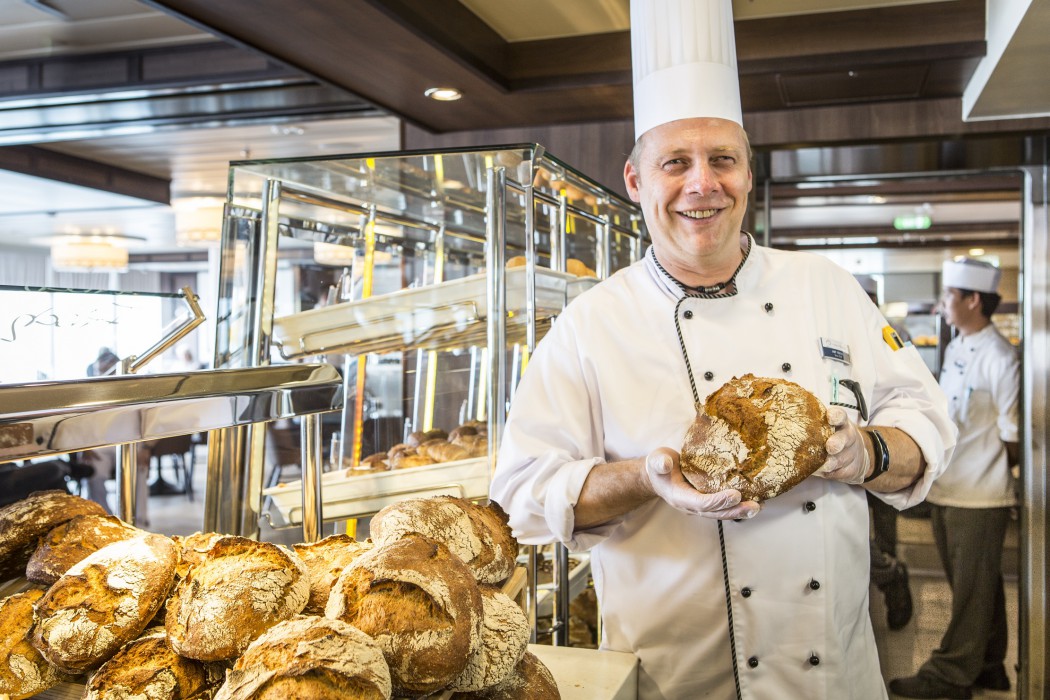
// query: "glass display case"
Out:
[426,278]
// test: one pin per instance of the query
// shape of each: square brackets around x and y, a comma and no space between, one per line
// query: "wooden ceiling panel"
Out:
[844,86]
[390,51]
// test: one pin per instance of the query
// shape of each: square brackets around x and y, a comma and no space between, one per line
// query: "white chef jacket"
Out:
[981,377]
[609,383]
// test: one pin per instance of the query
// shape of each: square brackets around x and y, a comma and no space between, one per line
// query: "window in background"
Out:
[52,334]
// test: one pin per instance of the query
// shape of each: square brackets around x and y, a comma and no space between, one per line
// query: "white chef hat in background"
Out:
[684,57]
[974,275]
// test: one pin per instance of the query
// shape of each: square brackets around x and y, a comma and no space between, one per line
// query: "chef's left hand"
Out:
[848,459]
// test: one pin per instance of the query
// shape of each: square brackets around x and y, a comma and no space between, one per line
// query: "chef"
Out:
[716,597]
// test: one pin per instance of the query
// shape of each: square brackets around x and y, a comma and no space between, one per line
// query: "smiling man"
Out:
[717,597]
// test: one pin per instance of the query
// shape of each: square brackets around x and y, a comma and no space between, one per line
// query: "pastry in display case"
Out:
[426,278]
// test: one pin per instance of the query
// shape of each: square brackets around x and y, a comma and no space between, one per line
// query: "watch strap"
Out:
[882,454]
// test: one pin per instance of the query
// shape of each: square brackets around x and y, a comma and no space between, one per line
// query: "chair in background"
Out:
[179,453]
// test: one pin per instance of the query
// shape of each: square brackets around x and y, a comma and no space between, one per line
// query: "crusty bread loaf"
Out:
[442,451]
[104,601]
[193,549]
[241,589]
[757,435]
[405,460]
[309,658]
[420,603]
[476,445]
[376,461]
[579,268]
[23,671]
[71,541]
[530,680]
[24,522]
[325,560]
[479,535]
[148,668]
[504,637]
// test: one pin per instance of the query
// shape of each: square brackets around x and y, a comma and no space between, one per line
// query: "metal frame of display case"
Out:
[341,200]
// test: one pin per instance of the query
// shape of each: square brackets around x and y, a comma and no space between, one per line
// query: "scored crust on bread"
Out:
[504,637]
[530,680]
[479,535]
[325,560]
[104,601]
[420,603]
[192,549]
[23,522]
[309,658]
[758,435]
[148,668]
[68,543]
[23,670]
[242,588]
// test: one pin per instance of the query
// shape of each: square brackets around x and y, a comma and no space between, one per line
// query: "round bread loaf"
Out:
[325,560]
[104,601]
[530,680]
[24,522]
[148,668]
[420,603]
[309,658]
[240,590]
[479,535]
[757,435]
[405,460]
[504,636]
[71,541]
[23,670]
[192,550]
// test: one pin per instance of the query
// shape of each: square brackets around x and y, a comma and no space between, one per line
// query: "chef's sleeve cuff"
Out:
[563,492]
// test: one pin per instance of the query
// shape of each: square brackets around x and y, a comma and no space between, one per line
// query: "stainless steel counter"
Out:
[45,418]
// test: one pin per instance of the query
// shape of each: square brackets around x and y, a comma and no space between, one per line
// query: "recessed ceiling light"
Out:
[443,94]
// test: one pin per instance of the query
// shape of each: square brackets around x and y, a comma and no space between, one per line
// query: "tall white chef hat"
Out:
[684,58]
[975,275]
[868,283]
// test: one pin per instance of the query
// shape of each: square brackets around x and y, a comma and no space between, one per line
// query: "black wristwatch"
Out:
[882,454]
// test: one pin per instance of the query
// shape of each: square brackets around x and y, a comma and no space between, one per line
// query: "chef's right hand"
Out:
[669,484]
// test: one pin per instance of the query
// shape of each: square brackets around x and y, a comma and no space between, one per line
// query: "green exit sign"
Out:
[912,222]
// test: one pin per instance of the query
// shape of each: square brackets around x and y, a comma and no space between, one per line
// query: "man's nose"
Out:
[701,179]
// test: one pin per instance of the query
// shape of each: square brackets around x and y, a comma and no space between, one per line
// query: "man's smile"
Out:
[699,213]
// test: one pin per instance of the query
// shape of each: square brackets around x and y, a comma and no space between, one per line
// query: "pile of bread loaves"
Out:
[431,447]
[414,611]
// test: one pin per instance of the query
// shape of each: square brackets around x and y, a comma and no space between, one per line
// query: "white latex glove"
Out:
[668,483]
[848,459]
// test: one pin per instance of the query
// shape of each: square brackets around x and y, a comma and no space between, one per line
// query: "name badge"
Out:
[834,350]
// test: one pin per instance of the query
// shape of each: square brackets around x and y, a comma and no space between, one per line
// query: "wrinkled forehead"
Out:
[692,136]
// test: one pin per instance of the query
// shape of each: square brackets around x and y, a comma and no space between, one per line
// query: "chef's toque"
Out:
[974,275]
[684,57]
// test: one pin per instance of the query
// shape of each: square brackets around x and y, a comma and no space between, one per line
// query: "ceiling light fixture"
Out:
[443,94]
[198,221]
[91,253]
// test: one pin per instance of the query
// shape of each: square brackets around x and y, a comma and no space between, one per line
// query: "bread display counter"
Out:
[357,493]
[428,278]
[48,418]
[433,317]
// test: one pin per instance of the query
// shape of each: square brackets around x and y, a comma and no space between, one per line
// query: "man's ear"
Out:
[631,180]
